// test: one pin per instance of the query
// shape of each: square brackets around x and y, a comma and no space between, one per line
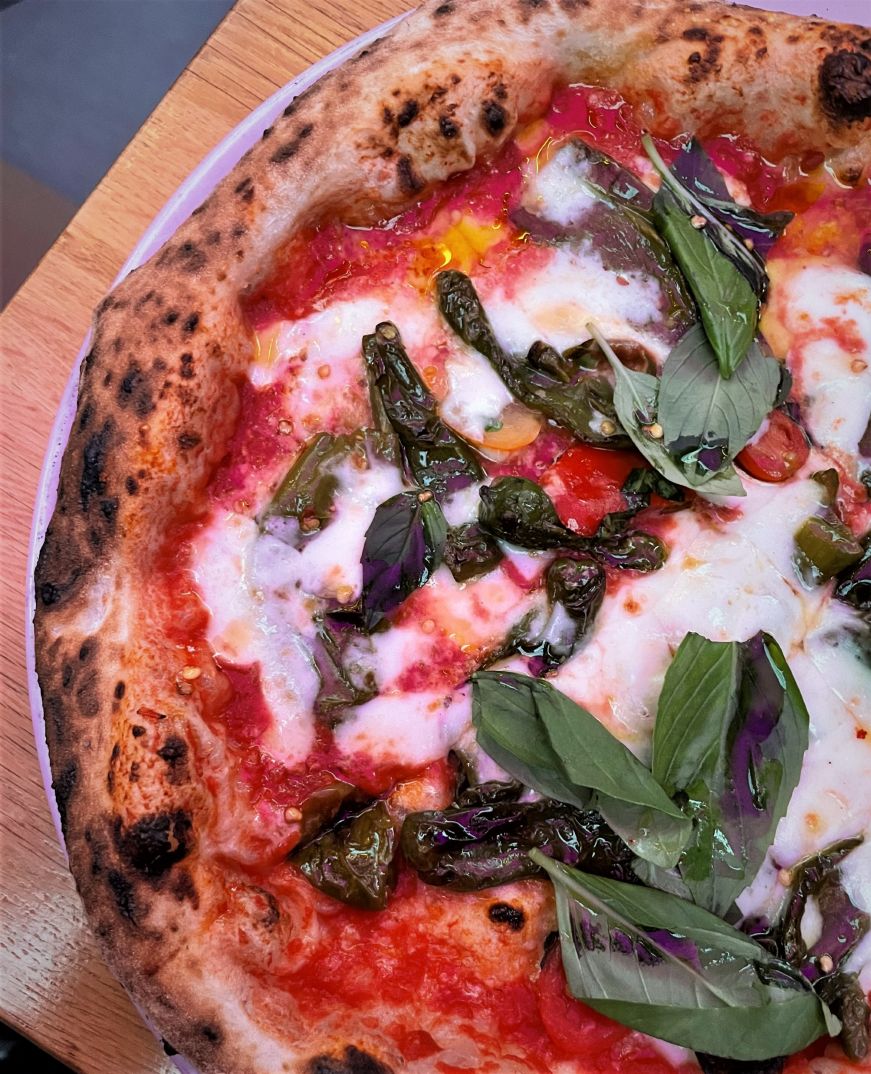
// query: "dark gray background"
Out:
[77,79]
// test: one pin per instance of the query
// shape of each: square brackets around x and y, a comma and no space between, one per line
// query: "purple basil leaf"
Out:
[698,173]
[403,547]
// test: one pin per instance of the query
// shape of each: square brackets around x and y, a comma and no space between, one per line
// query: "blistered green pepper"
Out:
[827,546]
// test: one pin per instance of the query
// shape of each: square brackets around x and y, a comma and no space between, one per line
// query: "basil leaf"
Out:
[509,730]
[341,687]
[728,306]
[699,175]
[469,847]
[574,750]
[730,736]
[354,860]
[636,399]
[696,705]
[705,418]
[402,549]
[435,456]
[543,380]
[308,490]
[665,967]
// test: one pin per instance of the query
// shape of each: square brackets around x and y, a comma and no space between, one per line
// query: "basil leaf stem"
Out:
[662,966]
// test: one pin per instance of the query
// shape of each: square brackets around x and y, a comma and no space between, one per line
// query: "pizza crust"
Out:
[157,403]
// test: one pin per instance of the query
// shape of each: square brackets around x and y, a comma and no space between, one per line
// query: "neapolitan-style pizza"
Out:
[453,629]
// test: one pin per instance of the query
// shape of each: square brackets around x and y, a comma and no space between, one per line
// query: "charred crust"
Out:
[167,1047]
[245,189]
[409,181]
[407,113]
[845,86]
[109,509]
[444,9]
[184,889]
[123,894]
[156,842]
[289,150]
[94,458]
[190,323]
[211,1033]
[448,127]
[120,689]
[493,117]
[186,441]
[137,730]
[695,33]
[354,1061]
[704,64]
[186,368]
[503,913]
[170,317]
[132,485]
[133,389]
[63,786]
[174,753]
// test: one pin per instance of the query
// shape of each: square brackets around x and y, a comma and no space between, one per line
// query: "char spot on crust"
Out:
[190,323]
[94,456]
[184,889]
[212,1034]
[109,509]
[123,893]
[171,316]
[187,366]
[444,9]
[167,1047]
[695,33]
[132,485]
[409,181]
[701,65]
[245,189]
[174,752]
[137,730]
[845,86]
[156,841]
[354,1061]
[493,117]
[186,441]
[63,787]
[503,913]
[187,254]
[448,127]
[290,149]
[120,689]
[133,388]
[407,113]
[85,416]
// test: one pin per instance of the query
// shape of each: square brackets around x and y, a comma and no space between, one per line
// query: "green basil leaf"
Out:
[728,305]
[435,456]
[309,488]
[403,547]
[543,380]
[636,399]
[730,736]
[705,418]
[665,967]
[554,737]
[696,706]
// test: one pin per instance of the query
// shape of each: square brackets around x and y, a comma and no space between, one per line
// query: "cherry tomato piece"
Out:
[778,453]
[585,482]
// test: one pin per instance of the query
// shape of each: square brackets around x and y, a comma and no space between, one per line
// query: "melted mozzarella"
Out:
[476,395]
[571,288]
[826,312]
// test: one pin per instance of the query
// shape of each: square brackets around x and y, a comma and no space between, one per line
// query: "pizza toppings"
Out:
[778,452]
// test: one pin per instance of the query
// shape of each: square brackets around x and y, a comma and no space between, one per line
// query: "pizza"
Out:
[453,628]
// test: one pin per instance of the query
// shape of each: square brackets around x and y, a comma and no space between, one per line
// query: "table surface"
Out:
[53,986]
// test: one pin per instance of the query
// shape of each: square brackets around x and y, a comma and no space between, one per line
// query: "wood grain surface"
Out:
[53,986]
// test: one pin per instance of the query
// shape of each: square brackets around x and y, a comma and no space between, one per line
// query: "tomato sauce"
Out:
[397,955]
